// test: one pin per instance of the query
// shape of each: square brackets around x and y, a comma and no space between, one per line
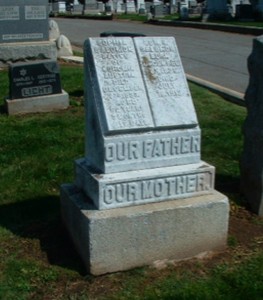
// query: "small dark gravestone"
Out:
[35,87]
[34,79]
[23,21]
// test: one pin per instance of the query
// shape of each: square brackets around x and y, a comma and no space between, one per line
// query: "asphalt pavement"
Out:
[212,57]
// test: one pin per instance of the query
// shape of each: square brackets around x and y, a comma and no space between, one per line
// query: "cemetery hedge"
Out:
[37,259]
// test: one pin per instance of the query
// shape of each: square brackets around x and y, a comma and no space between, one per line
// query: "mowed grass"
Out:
[37,259]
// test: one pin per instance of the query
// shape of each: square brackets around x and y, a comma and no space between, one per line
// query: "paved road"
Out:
[218,57]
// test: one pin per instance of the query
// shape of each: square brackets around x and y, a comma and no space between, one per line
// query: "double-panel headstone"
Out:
[138,86]
[140,118]
[23,21]
[141,193]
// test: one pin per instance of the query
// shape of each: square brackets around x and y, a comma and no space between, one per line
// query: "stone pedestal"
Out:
[141,193]
[124,238]
[45,103]
[11,52]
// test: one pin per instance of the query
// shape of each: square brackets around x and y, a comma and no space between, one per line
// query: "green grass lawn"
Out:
[37,259]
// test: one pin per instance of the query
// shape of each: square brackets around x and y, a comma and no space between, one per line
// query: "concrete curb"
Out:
[229,95]
[211,26]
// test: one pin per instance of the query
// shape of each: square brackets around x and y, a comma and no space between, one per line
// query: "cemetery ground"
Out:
[37,258]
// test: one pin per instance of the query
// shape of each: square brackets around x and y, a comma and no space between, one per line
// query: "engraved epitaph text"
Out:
[165,81]
[121,86]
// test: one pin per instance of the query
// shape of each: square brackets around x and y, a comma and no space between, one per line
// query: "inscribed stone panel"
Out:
[117,82]
[165,81]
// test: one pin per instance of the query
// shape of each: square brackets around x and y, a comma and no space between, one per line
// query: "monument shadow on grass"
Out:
[39,218]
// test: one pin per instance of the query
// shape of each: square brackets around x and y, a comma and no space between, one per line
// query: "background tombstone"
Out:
[252,156]
[130,6]
[24,30]
[35,87]
[217,9]
[141,193]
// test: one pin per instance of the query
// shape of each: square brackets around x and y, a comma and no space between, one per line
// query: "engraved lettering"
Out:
[126,105]
[164,188]
[110,151]
[152,149]
[9,13]
[147,189]
[133,191]
[109,194]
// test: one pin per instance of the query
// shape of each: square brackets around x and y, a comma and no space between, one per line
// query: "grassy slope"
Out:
[37,260]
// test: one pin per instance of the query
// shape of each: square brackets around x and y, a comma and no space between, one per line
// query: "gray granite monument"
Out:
[35,87]
[24,30]
[252,157]
[216,10]
[141,193]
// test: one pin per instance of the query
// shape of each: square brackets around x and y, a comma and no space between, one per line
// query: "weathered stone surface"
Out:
[54,31]
[124,238]
[252,157]
[13,52]
[113,190]
[141,193]
[128,152]
[23,21]
[117,86]
[38,104]
[125,97]
[64,46]
[169,96]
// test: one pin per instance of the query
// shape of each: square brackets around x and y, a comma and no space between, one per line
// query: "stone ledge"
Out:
[144,186]
[11,52]
[124,238]
[37,104]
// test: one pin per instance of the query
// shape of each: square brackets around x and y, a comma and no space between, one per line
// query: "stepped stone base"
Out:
[121,189]
[12,52]
[123,238]
[37,104]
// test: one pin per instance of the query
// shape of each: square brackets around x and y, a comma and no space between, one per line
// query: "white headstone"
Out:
[54,31]
[138,85]
[64,46]
[141,181]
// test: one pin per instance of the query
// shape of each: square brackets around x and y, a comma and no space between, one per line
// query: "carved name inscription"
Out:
[165,81]
[122,90]
[9,13]
[36,12]
[151,148]
[149,190]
